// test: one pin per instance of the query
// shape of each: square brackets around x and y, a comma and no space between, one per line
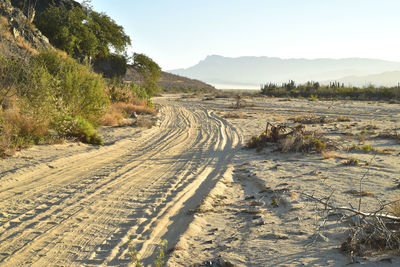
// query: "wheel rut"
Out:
[86,208]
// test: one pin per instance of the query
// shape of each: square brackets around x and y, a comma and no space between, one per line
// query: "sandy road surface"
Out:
[83,206]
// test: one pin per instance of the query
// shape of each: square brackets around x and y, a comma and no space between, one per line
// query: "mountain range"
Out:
[242,72]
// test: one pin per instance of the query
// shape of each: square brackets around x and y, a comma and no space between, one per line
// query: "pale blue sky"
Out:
[180,33]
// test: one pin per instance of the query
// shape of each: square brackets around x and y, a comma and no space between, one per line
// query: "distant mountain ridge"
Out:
[259,70]
[389,78]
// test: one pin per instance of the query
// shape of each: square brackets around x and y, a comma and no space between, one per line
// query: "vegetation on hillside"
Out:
[85,33]
[174,83]
[313,91]
[50,97]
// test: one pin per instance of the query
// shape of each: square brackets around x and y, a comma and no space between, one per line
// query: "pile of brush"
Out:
[291,139]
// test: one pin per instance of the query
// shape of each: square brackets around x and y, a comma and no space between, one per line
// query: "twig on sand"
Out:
[376,214]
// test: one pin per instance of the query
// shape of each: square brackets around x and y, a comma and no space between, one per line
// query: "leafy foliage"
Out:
[86,33]
[48,93]
[79,128]
[149,70]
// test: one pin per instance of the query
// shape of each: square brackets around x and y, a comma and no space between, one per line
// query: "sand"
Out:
[190,181]
[257,216]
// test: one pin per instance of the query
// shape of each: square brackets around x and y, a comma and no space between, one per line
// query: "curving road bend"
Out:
[85,208]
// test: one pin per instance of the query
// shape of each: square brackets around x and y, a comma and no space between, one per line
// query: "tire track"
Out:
[86,208]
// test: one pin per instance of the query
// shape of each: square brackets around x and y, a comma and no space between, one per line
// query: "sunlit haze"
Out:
[180,33]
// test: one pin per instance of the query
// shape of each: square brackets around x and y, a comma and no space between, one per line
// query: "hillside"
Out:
[171,82]
[18,36]
[258,70]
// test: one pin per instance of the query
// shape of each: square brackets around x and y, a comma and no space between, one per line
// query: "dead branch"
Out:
[355,211]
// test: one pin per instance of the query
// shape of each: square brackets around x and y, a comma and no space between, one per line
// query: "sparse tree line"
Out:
[333,90]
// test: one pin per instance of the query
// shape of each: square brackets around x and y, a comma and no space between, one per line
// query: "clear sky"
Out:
[180,33]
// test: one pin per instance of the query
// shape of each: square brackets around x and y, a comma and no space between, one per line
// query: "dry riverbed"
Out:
[258,215]
[190,181]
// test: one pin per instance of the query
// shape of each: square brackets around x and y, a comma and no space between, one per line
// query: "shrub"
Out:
[18,130]
[79,128]
[80,92]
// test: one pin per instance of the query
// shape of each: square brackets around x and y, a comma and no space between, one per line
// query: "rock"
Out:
[20,31]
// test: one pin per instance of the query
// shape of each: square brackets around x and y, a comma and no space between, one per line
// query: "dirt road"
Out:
[81,205]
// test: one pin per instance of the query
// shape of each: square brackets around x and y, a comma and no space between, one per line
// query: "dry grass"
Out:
[395,207]
[289,139]
[4,30]
[328,155]
[343,119]
[234,115]
[144,123]
[111,118]
[278,118]
[118,111]
[25,45]
[352,162]
[19,131]
[310,119]
[129,109]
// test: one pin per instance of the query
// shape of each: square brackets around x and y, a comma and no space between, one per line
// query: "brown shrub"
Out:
[121,110]
[19,131]
[111,119]
[235,115]
[22,43]
[145,123]
[130,109]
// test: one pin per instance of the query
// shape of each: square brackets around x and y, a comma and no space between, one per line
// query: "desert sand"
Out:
[257,216]
[190,181]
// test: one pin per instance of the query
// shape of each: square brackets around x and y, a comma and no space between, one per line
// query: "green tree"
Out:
[84,33]
[149,70]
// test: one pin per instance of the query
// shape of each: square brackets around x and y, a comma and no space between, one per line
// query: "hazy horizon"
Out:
[179,34]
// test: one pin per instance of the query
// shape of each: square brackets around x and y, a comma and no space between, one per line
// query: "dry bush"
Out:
[310,119]
[145,123]
[372,236]
[18,130]
[4,30]
[112,118]
[352,162]
[129,109]
[25,124]
[120,110]
[235,115]
[395,207]
[25,45]
[343,119]
[289,139]
[328,155]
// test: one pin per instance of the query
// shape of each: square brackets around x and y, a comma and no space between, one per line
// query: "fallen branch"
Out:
[355,211]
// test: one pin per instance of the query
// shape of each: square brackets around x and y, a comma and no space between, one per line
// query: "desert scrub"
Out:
[352,162]
[77,88]
[301,143]
[343,119]
[158,262]
[366,148]
[20,130]
[288,139]
[79,128]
